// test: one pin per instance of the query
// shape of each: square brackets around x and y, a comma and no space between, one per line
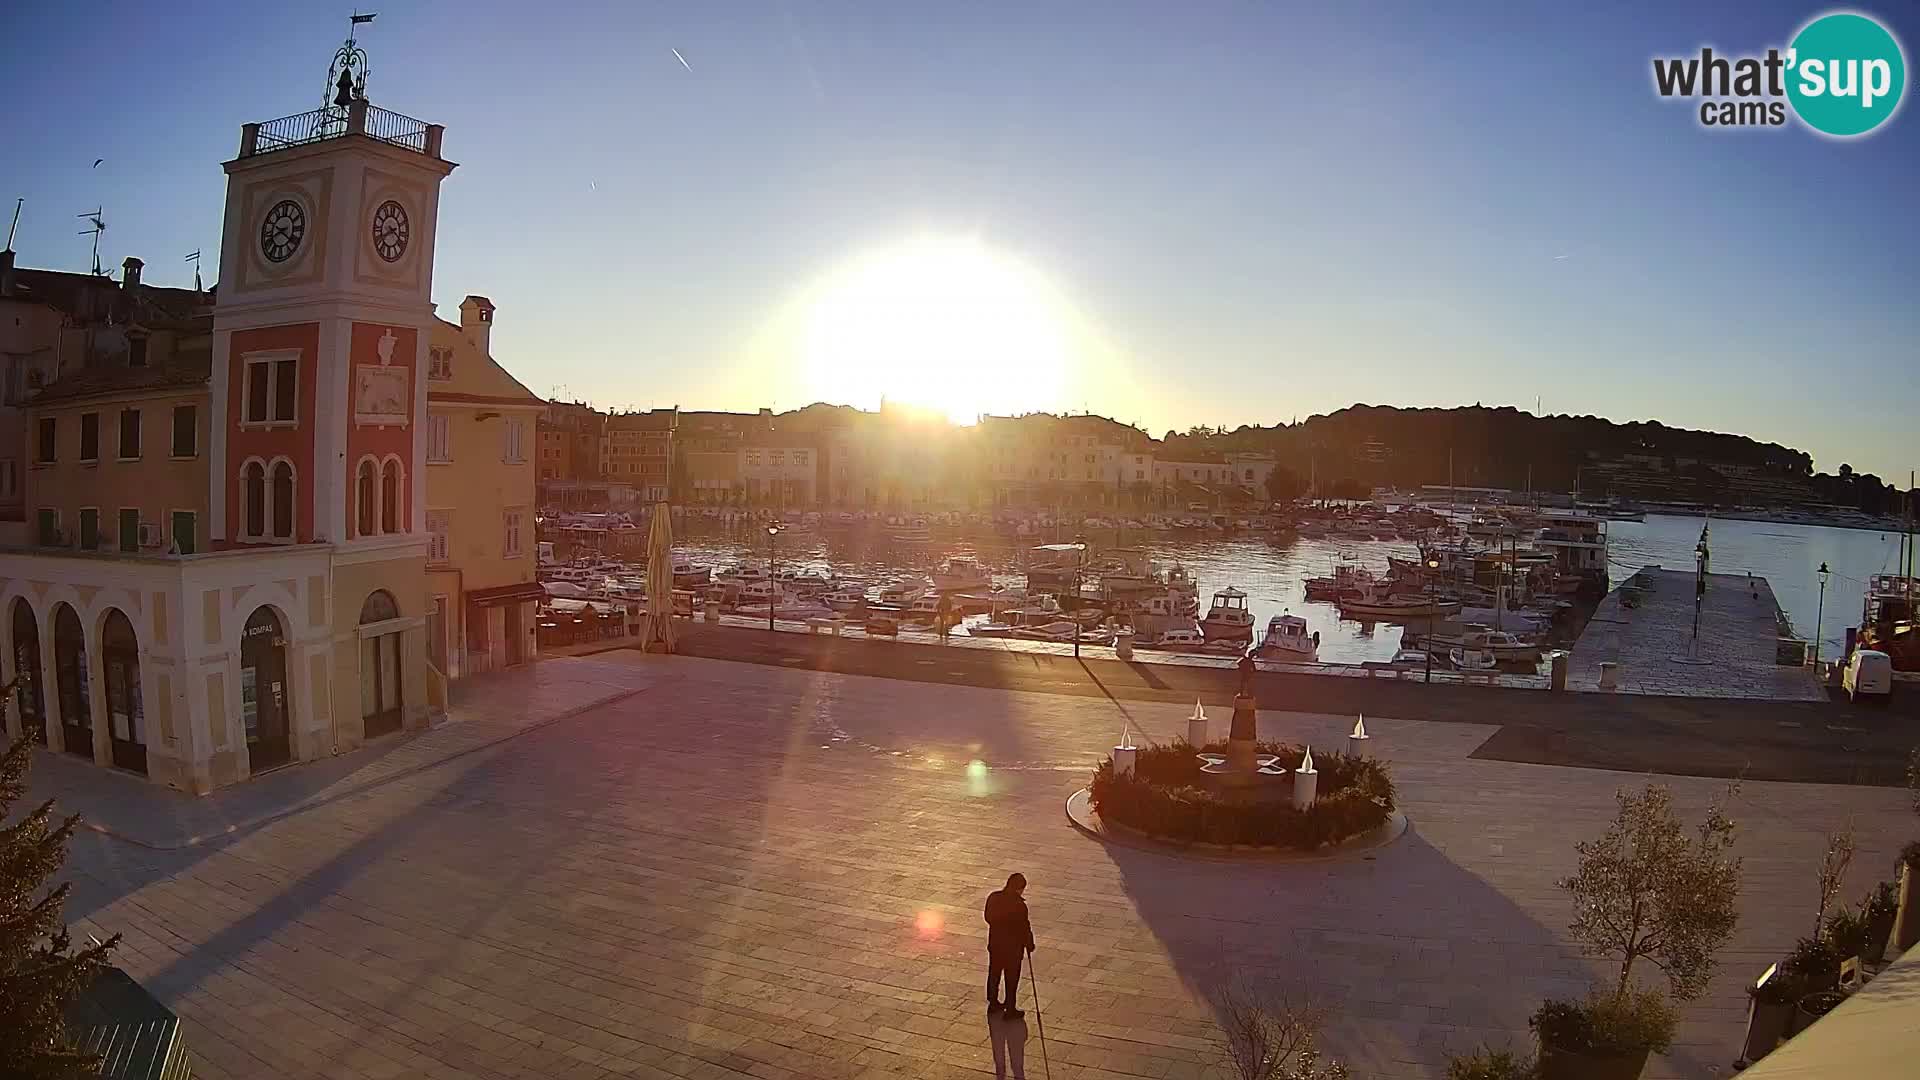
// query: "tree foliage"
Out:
[1647,890]
[40,972]
[1284,485]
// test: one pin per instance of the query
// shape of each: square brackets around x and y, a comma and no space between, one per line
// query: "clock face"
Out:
[282,230]
[390,230]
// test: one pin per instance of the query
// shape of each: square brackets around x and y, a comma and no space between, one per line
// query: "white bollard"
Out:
[1123,757]
[1306,782]
[1608,675]
[1197,726]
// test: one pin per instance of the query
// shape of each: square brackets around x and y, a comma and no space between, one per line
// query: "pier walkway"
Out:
[1649,640]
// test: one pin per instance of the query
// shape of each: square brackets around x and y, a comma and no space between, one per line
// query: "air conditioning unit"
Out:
[149,535]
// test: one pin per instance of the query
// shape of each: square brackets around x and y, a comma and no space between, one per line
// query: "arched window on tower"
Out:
[283,500]
[390,496]
[253,500]
[364,499]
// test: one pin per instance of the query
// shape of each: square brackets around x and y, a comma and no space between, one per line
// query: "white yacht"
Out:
[847,597]
[903,593]
[1287,639]
[1228,619]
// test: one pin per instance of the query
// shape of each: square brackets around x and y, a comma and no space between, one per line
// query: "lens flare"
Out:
[930,923]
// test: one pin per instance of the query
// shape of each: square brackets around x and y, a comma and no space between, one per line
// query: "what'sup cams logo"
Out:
[1843,75]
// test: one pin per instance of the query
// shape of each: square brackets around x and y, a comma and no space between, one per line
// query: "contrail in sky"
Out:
[682,59]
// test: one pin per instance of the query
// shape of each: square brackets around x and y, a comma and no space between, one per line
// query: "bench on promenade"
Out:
[831,626]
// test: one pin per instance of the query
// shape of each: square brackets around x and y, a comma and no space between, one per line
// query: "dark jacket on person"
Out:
[1007,927]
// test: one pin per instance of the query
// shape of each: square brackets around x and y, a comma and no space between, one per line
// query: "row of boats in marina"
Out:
[1471,599]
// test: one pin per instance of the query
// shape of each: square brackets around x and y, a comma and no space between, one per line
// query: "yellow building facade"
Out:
[481,466]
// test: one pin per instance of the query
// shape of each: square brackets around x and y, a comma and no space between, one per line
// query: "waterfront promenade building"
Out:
[226,570]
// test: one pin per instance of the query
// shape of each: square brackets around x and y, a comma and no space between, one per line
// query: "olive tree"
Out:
[1648,890]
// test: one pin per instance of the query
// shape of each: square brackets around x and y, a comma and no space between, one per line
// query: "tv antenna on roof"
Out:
[195,260]
[99,226]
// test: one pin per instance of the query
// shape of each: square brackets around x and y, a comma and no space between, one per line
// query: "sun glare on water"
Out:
[946,324]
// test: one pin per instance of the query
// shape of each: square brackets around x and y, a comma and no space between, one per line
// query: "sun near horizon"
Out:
[945,323]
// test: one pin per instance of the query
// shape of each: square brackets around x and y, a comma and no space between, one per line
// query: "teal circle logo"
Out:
[1845,74]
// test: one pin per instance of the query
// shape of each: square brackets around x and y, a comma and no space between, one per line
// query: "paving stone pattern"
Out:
[736,870]
[1738,632]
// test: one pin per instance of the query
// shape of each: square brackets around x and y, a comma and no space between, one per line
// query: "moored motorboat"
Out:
[1228,619]
[1287,639]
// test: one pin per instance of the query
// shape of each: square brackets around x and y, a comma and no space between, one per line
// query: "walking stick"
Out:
[1033,980]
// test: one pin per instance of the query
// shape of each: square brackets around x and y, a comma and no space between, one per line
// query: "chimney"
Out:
[6,272]
[130,272]
[476,321]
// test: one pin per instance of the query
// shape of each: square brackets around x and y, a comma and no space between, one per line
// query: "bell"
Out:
[345,96]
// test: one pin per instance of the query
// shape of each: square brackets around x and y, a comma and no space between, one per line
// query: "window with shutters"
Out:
[439,438]
[129,434]
[273,389]
[90,436]
[186,431]
[439,524]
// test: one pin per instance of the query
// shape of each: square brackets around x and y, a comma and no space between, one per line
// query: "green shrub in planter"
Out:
[1165,797]
[1814,963]
[1847,933]
[1877,911]
[1909,855]
[1486,1064]
[1607,1025]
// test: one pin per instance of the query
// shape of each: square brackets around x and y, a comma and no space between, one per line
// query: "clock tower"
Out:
[318,386]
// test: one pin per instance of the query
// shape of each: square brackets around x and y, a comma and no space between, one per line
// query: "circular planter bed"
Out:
[1169,799]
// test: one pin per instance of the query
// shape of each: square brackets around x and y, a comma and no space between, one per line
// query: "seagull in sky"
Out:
[97,161]
[1559,258]
[682,59]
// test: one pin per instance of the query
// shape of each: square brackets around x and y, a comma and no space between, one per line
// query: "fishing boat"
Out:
[1059,630]
[990,629]
[1175,637]
[1371,605]
[1472,659]
[903,593]
[1228,619]
[1287,639]
[960,574]
[847,597]
[688,576]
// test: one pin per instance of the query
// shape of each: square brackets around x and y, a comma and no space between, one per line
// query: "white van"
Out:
[1869,674]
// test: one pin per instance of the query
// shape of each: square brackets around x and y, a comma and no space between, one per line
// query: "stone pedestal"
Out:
[1123,759]
[1243,763]
[1609,675]
[1123,646]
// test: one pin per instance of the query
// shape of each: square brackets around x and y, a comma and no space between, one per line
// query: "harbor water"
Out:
[1273,572]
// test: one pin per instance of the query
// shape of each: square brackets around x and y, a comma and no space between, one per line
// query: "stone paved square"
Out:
[665,866]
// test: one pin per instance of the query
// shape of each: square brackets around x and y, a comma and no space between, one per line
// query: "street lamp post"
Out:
[1699,591]
[773,589]
[1074,615]
[1819,618]
[1433,568]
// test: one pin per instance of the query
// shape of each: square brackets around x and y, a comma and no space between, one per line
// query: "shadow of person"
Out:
[1009,1038]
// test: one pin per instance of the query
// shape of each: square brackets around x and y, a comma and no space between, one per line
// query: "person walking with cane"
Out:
[1009,933]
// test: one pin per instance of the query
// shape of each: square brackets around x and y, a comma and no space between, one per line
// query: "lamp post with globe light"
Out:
[1819,618]
[773,589]
[1433,569]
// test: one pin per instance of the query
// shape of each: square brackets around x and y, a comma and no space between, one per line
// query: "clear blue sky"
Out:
[1261,213]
